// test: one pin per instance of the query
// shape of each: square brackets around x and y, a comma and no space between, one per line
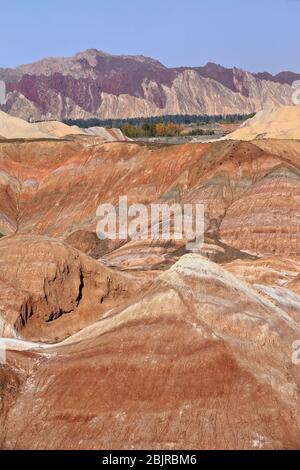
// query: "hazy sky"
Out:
[257,35]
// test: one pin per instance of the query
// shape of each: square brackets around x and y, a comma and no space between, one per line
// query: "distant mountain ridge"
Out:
[97,84]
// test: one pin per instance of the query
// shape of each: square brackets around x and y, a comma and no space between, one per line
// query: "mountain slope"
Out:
[95,84]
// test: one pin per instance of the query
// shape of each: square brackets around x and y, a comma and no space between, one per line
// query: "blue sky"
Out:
[257,35]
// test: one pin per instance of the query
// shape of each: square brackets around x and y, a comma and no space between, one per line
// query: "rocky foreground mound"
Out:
[200,361]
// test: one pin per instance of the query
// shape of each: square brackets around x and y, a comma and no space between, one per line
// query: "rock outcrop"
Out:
[50,290]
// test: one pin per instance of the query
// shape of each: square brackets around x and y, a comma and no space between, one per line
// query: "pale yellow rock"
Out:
[15,128]
[276,123]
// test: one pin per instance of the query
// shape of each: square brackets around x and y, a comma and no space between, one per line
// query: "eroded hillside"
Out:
[137,343]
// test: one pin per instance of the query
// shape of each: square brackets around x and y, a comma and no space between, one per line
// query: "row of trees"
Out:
[179,120]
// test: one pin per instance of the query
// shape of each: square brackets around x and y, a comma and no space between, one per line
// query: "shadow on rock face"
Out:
[49,290]
[90,244]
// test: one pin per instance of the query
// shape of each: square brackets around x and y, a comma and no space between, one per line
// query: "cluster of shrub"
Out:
[160,129]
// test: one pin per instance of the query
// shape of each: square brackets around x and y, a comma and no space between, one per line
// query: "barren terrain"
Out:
[140,344]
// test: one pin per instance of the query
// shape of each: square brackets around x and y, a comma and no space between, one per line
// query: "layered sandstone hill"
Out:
[277,123]
[136,344]
[95,84]
[53,188]
[250,191]
[201,361]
